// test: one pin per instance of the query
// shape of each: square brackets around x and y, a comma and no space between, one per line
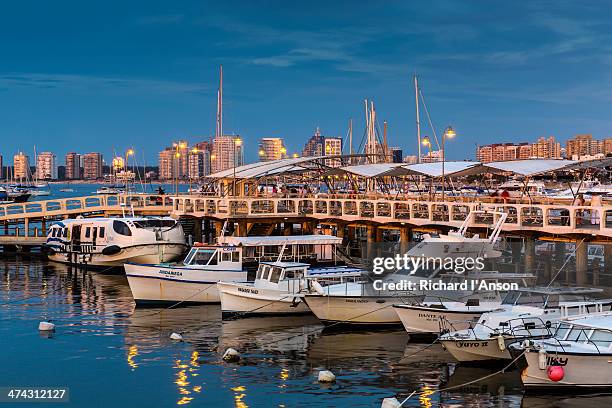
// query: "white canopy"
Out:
[366,170]
[267,168]
[451,168]
[526,167]
[281,240]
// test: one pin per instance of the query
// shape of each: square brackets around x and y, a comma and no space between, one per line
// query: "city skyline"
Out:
[522,69]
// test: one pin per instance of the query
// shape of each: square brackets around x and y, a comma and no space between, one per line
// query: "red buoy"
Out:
[555,373]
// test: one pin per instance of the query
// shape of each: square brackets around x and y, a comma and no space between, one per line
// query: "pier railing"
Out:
[140,203]
[547,217]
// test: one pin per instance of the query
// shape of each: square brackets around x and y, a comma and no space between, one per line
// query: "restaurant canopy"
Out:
[364,170]
[281,240]
[269,168]
[526,168]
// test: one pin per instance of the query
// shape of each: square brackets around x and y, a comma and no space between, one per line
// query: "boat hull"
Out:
[152,284]
[142,254]
[580,370]
[466,351]
[246,300]
[353,310]
[427,320]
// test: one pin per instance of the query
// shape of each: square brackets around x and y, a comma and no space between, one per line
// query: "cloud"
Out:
[99,83]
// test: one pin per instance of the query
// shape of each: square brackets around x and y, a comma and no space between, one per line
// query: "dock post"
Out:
[242,228]
[607,263]
[404,239]
[582,264]
[530,255]
[287,229]
[218,228]
[340,230]
[515,245]
[372,235]
[197,230]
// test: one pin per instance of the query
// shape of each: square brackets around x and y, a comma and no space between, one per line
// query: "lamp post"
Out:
[295,155]
[427,142]
[449,132]
[237,144]
[283,152]
[128,153]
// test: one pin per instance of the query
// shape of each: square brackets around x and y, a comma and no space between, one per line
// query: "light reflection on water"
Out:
[103,340]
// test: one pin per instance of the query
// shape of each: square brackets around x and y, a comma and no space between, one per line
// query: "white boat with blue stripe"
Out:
[192,281]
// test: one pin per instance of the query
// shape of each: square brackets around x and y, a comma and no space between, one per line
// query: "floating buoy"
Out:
[542,359]
[46,326]
[231,355]
[176,336]
[390,403]
[326,376]
[555,373]
[501,343]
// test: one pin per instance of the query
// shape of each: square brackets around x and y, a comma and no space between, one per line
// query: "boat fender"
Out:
[111,250]
[501,343]
[326,376]
[542,359]
[555,373]
[316,286]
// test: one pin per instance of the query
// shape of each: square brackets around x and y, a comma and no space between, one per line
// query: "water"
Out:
[111,354]
[86,189]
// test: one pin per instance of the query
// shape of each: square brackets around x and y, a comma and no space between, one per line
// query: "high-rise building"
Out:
[21,167]
[314,145]
[272,148]
[46,166]
[73,166]
[582,145]
[503,152]
[167,164]
[546,148]
[92,166]
[333,147]
[199,160]
[226,153]
[396,154]
[607,147]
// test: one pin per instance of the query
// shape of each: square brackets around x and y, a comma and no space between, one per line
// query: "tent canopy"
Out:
[526,168]
[267,168]
[281,240]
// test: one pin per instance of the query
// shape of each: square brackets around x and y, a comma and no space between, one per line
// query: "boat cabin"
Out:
[288,276]
[214,257]
[550,297]
[593,331]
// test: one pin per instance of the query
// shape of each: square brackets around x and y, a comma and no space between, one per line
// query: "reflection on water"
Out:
[101,338]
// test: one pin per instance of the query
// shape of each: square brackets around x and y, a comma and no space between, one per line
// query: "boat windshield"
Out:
[201,256]
[524,298]
[154,223]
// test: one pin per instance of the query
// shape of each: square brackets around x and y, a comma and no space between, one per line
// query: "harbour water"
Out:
[111,354]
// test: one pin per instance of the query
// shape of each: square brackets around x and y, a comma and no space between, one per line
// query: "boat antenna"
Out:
[418,119]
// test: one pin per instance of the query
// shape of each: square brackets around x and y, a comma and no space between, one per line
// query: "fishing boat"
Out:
[529,313]
[360,303]
[13,195]
[230,260]
[439,314]
[114,241]
[191,281]
[279,288]
[578,355]
[110,190]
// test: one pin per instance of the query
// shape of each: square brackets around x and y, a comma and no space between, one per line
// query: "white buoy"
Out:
[231,355]
[316,286]
[176,336]
[46,326]
[542,359]
[390,403]
[326,376]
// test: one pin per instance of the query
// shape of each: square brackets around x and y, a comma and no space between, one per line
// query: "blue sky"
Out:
[93,76]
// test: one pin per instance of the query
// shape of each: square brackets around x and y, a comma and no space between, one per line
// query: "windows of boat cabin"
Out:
[601,338]
[154,223]
[294,274]
[263,272]
[203,256]
[276,274]
[101,232]
[87,232]
[121,228]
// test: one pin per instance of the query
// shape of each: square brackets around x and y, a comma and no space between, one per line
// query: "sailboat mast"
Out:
[219,131]
[418,118]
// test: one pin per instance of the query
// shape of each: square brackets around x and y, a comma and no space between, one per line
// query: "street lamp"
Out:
[237,144]
[283,151]
[295,155]
[427,142]
[449,132]
[128,153]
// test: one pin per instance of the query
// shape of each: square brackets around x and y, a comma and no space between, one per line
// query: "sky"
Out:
[108,75]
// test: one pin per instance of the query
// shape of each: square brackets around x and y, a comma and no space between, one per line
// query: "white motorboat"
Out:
[115,241]
[361,304]
[192,281]
[110,190]
[577,356]
[526,314]
[279,288]
[434,316]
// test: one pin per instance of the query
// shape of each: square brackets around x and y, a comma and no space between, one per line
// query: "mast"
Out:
[418,119]
[385,148]
[351,136]
[219,129]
